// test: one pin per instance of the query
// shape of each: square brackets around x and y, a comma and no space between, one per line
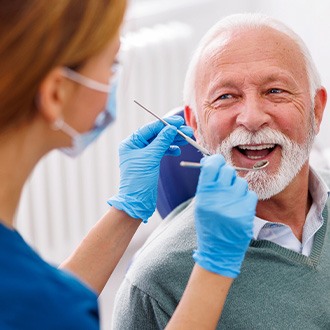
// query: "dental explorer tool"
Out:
[187,138]
[257,166]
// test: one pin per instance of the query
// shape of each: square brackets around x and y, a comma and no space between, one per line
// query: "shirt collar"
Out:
[319,191]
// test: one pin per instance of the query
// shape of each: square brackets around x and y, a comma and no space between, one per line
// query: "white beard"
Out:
[294,156]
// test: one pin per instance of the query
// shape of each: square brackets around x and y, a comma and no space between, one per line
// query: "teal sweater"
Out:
[277,288]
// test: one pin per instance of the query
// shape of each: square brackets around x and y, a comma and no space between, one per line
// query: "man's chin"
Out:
[265,185]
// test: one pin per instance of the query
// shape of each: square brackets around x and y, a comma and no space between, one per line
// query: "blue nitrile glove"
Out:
[224,214]
[139,158]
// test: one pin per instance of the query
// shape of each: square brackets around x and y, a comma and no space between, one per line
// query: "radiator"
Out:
[64,197]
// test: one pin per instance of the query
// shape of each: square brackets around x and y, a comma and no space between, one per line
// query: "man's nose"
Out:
[253,115]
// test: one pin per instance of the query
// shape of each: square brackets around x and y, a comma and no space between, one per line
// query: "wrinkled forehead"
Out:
[244,46]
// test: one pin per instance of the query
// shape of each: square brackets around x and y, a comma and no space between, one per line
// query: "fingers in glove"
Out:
[173,151]
[179,140]
[210,169]
[240,186]
[227,176]
[175,120]
[163,140]
[148,132]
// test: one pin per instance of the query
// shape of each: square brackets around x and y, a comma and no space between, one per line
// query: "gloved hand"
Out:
[139,158]
[224,214]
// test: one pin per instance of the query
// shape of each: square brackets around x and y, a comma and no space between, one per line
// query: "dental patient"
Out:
[252,93]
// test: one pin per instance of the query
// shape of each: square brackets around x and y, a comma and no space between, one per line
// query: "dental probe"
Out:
[187,138]
[257,166]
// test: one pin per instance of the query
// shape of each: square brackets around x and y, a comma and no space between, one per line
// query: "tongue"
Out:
[257,153]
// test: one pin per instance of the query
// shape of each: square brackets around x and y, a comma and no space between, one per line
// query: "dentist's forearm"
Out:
[202,302]
[100,251]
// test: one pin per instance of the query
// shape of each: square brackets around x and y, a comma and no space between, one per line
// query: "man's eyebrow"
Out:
[280,77]
[222,83]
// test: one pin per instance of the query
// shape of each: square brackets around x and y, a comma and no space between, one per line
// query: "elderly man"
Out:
[252,93]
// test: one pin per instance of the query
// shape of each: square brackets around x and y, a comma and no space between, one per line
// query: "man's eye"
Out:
[275,91]
[225,97]
[224,100]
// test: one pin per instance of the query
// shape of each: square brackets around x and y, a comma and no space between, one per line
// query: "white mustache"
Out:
[241,136]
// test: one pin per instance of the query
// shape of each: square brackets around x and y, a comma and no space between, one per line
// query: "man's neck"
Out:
[290,206]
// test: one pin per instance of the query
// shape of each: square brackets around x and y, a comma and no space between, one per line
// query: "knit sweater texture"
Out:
[276,289]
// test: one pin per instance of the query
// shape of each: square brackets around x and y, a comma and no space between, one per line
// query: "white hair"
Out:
[238,22]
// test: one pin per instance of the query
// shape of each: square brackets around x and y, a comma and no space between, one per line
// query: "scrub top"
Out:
[35,295]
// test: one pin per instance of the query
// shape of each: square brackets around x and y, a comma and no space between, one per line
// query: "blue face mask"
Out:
[81,140]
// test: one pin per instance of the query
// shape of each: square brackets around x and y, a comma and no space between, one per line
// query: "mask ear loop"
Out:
[60,125]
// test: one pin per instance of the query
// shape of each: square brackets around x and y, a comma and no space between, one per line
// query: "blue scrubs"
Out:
[35,295]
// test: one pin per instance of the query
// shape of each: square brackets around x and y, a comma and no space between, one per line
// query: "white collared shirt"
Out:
[282,234]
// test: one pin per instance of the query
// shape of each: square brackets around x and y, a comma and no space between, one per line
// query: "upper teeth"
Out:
[259,147]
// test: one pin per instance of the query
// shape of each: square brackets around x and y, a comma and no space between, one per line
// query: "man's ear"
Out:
[320,101]
[190,118]
[52,95]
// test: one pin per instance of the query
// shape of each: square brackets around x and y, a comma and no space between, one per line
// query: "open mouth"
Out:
[256,151]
